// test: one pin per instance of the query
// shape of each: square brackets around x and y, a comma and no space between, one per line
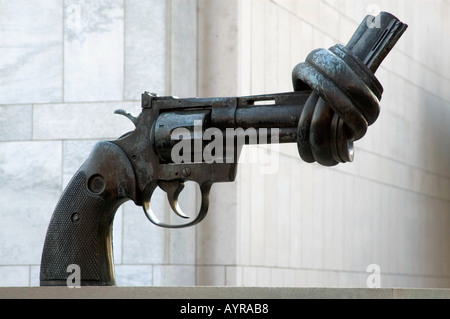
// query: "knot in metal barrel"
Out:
[344,102]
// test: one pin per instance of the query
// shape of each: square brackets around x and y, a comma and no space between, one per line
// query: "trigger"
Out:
[173,190]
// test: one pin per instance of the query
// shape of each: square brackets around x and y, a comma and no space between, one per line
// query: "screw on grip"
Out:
[346,93]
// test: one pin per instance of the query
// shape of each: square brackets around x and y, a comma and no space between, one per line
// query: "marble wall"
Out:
[66,65]
[316,226]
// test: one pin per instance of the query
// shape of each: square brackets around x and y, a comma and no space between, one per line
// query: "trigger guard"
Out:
[147,195]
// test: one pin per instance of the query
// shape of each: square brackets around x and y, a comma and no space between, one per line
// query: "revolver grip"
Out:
[80,230]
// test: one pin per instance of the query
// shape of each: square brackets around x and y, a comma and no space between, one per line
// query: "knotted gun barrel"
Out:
[346,93]
[336,97]
[325,122]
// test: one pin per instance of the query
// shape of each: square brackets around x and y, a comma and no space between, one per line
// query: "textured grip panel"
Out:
[80,230]
[72,236]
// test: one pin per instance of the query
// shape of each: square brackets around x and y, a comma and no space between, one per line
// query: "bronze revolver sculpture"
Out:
[336,97]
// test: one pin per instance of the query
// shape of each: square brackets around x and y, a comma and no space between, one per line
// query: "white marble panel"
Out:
[257,217]
[117,236]
[245,47]
[31,48]
[184,62]
[285,65]
[278,277]
[14,276]
[233,276]
[210,276]
[270,47]
[375,207]
[265,277]
[31,184]
[93,50]
[334,200]
[363,220]
[133,275]
[218,53]
[145,47]
[82,120]
[390,172]
[349,223]
[329,20]
[15,122]
[296,219]
[257,59]
[318,235]
[307,10]
[377,230]
[249,276]
[217,234]
[173,275]
[353,279]
[34,275]
[307,210]
[282,202]
[142,242]
[182,242]
[274,244]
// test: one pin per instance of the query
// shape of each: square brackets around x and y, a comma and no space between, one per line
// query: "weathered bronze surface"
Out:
[336,97]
